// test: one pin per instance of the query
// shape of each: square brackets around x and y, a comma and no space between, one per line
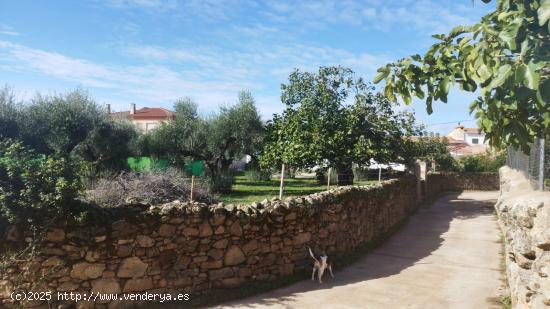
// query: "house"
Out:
[466,141]
[146,119]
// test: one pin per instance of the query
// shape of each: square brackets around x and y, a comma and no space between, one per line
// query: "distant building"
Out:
[146,119]
[466,141]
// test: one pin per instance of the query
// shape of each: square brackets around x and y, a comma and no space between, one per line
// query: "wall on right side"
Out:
[524,217]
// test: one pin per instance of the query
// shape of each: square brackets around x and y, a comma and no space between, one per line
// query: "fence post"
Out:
[282,181]
[379,174]
[541,164]
[328,178]
[192,187]
[420,173]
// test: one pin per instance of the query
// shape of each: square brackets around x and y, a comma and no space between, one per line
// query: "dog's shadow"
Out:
[417,239]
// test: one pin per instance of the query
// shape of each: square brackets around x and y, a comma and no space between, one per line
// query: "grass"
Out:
[506,302]
[245,191]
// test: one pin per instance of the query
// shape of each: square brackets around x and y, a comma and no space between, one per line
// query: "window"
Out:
[475,141]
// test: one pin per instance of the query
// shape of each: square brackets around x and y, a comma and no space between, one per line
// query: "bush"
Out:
[108,145]
[35,187]
[257,175]
[150,187]
[483,163]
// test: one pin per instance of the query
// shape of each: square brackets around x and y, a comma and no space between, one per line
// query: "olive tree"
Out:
[9,113]
[58,123]
[216,139]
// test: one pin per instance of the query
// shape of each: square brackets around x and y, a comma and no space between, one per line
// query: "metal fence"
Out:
[535,164]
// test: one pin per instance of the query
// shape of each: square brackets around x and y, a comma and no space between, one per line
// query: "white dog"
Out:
[321,263]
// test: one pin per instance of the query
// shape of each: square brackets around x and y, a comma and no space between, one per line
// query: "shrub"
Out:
[150,187]
[483,163]
[257,175]
[108,145]
[35,187]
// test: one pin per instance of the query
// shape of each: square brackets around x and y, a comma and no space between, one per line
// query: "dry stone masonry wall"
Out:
[524,217]
[462,181]
[197,248]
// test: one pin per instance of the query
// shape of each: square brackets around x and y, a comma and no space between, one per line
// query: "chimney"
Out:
[108,108]
[132,108]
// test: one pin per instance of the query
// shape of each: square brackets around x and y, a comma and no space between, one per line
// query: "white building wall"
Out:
[469,137]
[147,125]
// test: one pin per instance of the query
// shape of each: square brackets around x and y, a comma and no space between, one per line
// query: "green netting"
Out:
[195,168]
[139,164]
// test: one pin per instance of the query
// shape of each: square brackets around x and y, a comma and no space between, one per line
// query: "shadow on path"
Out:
[410,246]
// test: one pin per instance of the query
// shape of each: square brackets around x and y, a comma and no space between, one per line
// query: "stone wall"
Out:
[524,217]
[448,181]
[196,248]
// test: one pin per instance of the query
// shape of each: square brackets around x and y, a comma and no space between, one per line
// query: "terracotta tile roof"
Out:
[467,149]
[417,138]
[153,113]
[472,130]
[146,113]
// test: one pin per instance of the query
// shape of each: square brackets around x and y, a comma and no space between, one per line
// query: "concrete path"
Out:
[446,256]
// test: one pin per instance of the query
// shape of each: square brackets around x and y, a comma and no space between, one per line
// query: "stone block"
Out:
[132,267]
[234,256]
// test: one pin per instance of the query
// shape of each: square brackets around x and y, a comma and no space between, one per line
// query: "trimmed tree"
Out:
[333,120]
[217,139]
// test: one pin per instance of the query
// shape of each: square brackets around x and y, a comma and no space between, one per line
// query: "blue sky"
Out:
[152,52]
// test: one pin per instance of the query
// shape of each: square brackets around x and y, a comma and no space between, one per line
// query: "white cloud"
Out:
[6,30]
[422,15]
[210,76]
[150,83]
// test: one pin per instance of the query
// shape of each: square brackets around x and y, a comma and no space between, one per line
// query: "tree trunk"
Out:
[345,175]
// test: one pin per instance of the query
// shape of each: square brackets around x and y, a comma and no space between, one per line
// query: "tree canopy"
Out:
[70,125]
[217,139]
[506,56]
[333,119]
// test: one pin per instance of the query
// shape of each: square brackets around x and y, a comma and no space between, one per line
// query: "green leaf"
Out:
[444,87]
[520,73]
[406,98]
[544,12]
[439,36]
[487,123]
[382,73]
[525,47]
[457,31]
[532,77]
[419,92]
[473,106]
[509,34]
[429,102]
[484,73]
[501,76]
[545,90]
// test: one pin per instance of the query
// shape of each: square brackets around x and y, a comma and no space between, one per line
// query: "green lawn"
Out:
[245,192]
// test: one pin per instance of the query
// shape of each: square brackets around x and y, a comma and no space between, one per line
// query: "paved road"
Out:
[446,256]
